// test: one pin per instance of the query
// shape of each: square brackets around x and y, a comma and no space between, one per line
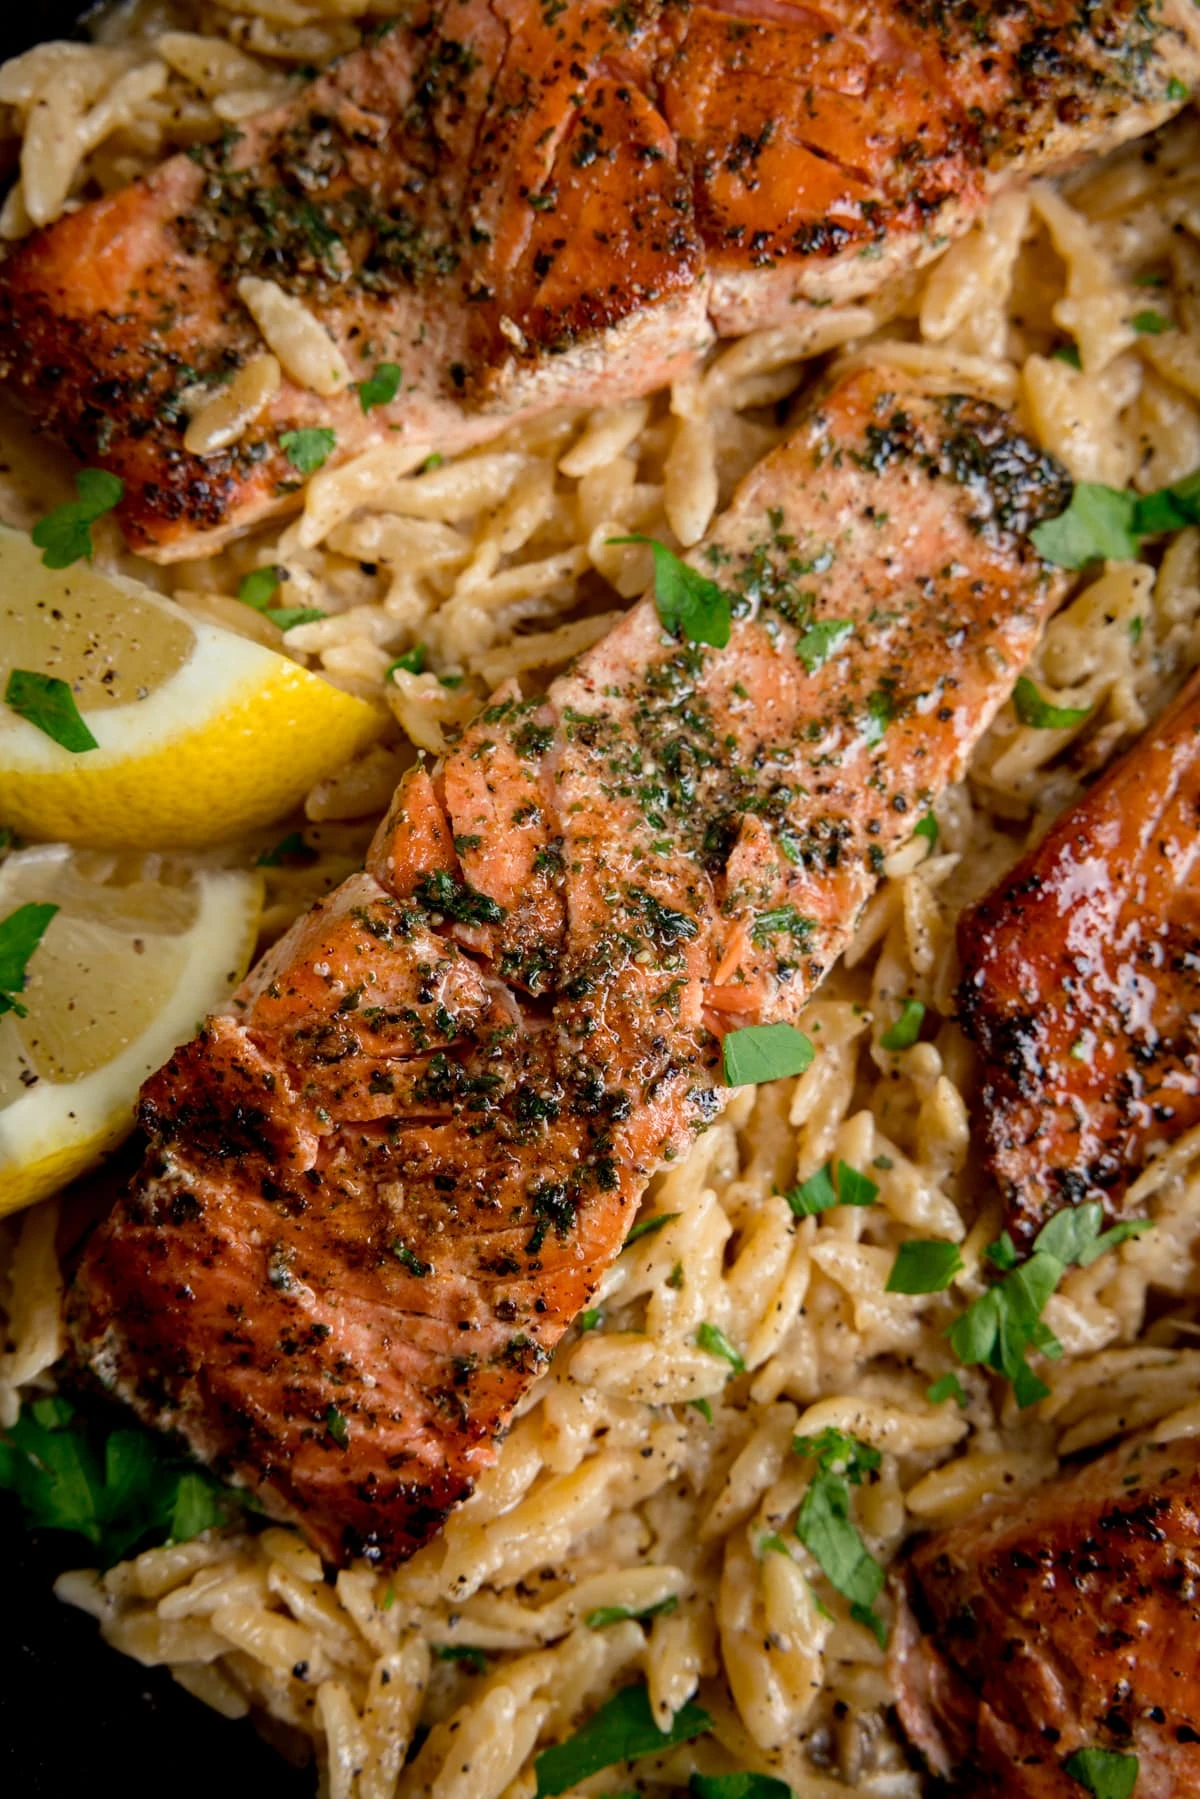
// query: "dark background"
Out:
[72,1711]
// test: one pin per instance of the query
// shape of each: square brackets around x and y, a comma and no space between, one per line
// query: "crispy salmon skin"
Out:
[1060,1622]
[520,206]
[1081,985]
[377,1192]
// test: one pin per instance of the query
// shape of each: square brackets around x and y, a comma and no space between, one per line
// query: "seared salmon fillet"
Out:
[1081,984]
[1063,1621]
[523,206]
[378,1190]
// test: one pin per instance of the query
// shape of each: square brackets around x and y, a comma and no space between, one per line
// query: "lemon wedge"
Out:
[126,969]
[200,734]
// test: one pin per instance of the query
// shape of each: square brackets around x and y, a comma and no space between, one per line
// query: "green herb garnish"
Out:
[1150,323]
[288,617]
[441,893]
[381,388]
[822,641]
[820,1194]
[780,921]
[475,1659]
[948,1387]
[765,1052]
[1068,353]
[64,536]
[688,603]
[702,1406]
[120,1490]
[20,934]
[1104,1773]
[309,449]
[1032,709]
[1177,90]
[824,1526]
[256,588]
[1110,522]
[924,1266]
[412,662]
[927,828]
[410,1260]
[742,1785]
[646,1227]
[713,1341]
[590,1320]
[605,1615]
[291,845]
[907,1028]
[999,1327]
[48,704]
[623,1730]
[337,1427]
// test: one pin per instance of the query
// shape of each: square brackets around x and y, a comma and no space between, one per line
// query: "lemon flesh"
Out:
[202,734]
[126,970]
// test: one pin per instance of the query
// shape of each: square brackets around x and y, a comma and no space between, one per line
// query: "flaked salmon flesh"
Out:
[1060,1621]
[1081,985]
[380,1187]
[524,205]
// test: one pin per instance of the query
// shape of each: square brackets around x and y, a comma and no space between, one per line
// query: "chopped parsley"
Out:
[820,1194]
[49,705]
[291,845]
[765,1052]
[906,1029]
[1110,521]
[120,1490]
[999,1327]
[1104,1773]
[713,1341]
[742,1785]
[591,1320]
[927,828]
[1150,323]
[622,1730]
[646,1227]
[780,921]
[605,1615]
[824,1525]
[409,1259]
[1032,709]
[1068,353]
[412,662]
[309,449]
[924,1266]
[1177,90]
[948,1387]
[689,604]
[821,641]
[64,536]
[337,1427]
[20,934]
[475,1659]
[441,893]
[257,589]
[381,388]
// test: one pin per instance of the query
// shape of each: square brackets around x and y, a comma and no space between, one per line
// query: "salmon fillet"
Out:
[524,206]
[1081,985]
[378,1190]
[1066,1620]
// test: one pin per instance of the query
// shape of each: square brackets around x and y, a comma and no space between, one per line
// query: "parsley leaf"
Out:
[1151,323]
[409,1259]
[337,1427]
[1176,89]
[765,1052]
[590,1320]
[381,388]
[412,662]
[49,705]
[604,1615]
[824,1525]
[927,828]
[1098,522]
[119,1490]
[702,1406]
[742,1785]
[818,1193]
[906,1029]
[309,449]
[621,1731]
[1068,353]
[646,1227]
[1103,1772]
[1032,709]
[291,845]
[688,602]
[64,536]
[713,1341]
[20,934]
[999,1327]
[924,1266]
[288,617]
[948,1387]
[256,588]
[823,640]
[781,920]
[475,1659]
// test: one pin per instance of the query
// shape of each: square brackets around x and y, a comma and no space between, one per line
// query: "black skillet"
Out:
[75,1717]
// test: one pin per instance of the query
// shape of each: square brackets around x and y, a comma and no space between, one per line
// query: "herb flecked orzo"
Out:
[811,1345]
